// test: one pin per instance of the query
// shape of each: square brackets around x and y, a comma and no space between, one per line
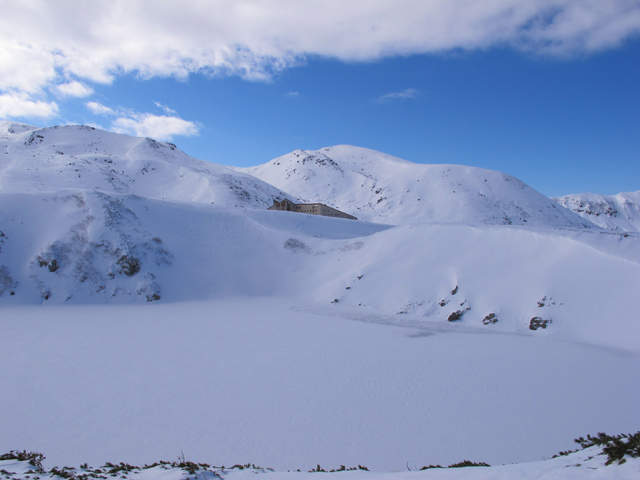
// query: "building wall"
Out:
[332,212]
[310,208]
[284,205]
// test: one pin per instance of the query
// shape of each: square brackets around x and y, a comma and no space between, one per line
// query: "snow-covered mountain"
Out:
[614,212]
[380,188]
[140,319]
[76,157]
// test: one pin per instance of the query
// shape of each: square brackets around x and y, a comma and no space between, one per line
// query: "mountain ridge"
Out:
[84,158]
[619,212]
[372,185]
[378,187]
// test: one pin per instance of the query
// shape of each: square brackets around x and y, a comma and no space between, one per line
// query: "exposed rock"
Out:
[489,319]
[537,322]
[296,246]
[457,315]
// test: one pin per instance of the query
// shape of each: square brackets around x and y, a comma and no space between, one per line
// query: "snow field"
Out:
[263,381]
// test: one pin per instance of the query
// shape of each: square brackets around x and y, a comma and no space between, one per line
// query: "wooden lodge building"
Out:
[310,208]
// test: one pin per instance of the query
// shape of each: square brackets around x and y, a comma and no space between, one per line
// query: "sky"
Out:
[545,90]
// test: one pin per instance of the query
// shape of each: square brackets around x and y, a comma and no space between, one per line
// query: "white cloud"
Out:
[74,89]
[22,106]
[99,109]
[160,127]
[406,94]
[23,67]
[42,43]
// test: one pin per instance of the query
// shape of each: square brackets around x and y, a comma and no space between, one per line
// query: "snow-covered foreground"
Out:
[267,381]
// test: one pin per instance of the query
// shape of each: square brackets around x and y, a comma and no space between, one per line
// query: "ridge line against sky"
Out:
[521,86]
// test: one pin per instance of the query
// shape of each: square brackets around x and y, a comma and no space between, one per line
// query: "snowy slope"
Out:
[614,212]
[381,188]
[582,286]
[93,247]
[81,157]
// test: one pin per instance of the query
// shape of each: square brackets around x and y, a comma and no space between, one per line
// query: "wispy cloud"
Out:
[292,94]
[74,89]
[43,44]
[166,109]
[406,94]
[99,109]
[20,105]
[160,127]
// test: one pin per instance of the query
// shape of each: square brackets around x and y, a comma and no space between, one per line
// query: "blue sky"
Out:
[549,95]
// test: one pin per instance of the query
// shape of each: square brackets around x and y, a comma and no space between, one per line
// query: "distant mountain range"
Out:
[614,212]
[371,185]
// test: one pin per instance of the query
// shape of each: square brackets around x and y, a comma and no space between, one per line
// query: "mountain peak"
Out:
[81,157]
[10,127]
[378,187]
